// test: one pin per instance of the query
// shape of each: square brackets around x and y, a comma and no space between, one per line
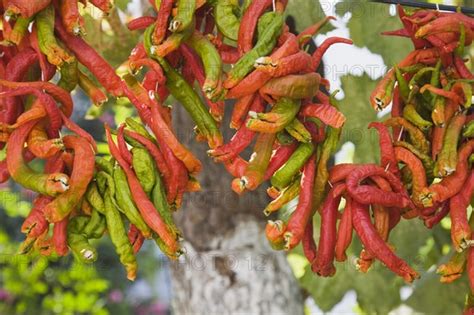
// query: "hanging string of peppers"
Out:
[281,107]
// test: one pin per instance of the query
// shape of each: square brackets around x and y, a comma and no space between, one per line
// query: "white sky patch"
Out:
[343,59]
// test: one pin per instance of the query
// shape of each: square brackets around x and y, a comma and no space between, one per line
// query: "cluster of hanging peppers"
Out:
[81,196]
[425,167]
[203,53]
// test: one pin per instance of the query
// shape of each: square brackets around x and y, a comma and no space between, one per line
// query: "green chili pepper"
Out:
[324,153]
[158,197]
[69,76]
[193,104]
[212,64]
[411,114]
[118,235]
[144,167]
[94,197]
[403,86]
[125,202]
[95,226]
[226,20]
[462,41]
[284,138]
[435,76]
[469,130]
[78,242]
[285,174]
[104,164]
[448,157]
[46,39]
[105,181]
[282,113]
[184,17]
[437,115]
[139,128]
[263,47]
[19,30]
[297,130]
[264,22]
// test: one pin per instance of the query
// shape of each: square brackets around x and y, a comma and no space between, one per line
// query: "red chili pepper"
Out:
[309,246]
[136,238]
[35,223]
[103,5]
[453,183]
[367,194]
[274,231]
[328,114]
[375,244]
[162,18]
[72,126]
[72,19]
[248,24]
[25,8]
[45,101]
[147,62]
[81,175]
[122,145]
[462,69]
[431,221]
[60,237]
[458,204]
[15,70]
[256,79]
[339,172]
[302,214]
[291,64]
[55,91]
[242,107]
[344,232]
[39,143]
[321,50]
[140,23]
[323,265]
[87,55]
[387,153]
[307,34]
[47,184]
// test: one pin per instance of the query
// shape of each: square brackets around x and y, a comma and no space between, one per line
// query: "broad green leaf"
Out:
[367,23]
[327,292]
[306,13]
[433,297]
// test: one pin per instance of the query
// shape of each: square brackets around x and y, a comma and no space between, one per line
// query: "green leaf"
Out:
[121,4]
[327,292]
[312,13]
[367,23]
[433,297]
[355,106]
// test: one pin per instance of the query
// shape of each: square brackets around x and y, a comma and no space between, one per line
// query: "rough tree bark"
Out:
[229,267]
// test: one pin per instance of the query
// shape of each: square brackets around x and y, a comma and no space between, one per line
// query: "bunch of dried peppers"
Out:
[281,106]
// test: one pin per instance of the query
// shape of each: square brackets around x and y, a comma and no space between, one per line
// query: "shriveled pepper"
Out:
[46,184]
[302,215]
[81,175]
[281,114]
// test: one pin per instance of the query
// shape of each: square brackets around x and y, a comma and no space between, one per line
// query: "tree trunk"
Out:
[229,267]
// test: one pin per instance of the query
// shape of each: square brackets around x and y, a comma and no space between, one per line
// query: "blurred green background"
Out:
[62,286]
